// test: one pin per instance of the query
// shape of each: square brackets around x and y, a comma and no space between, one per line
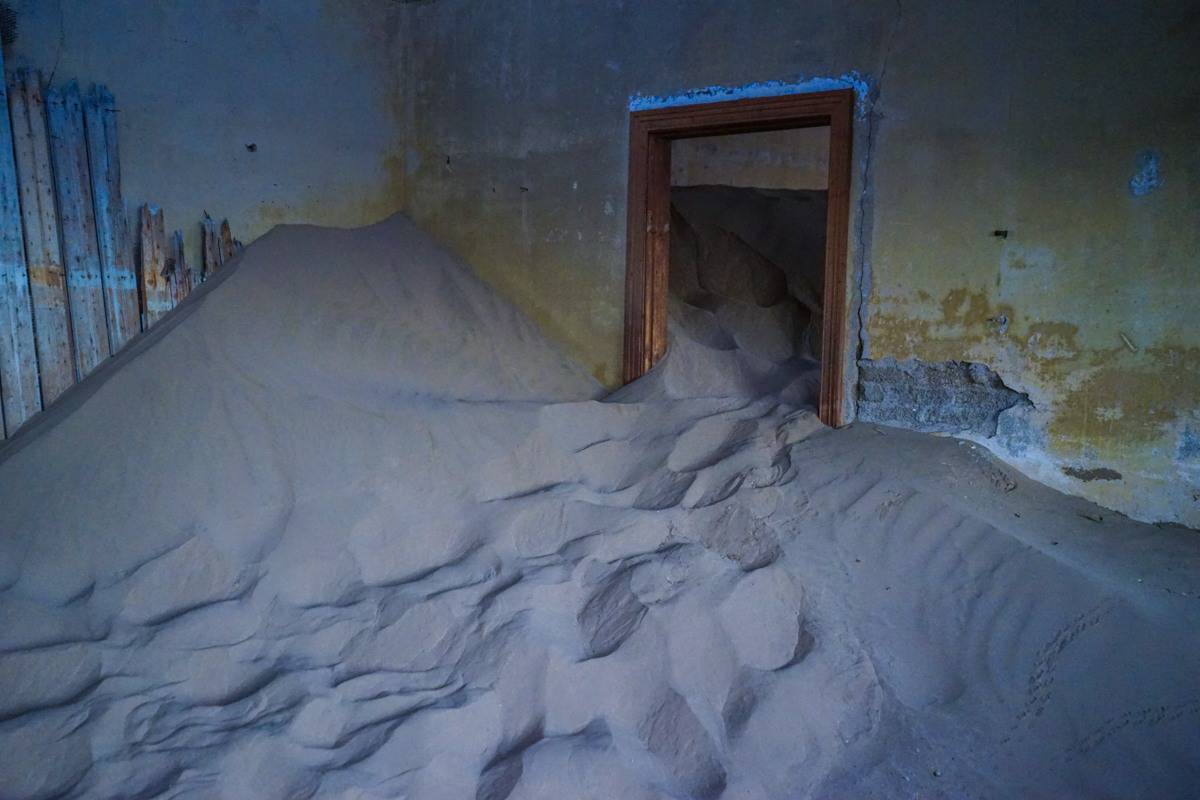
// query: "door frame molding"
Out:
[649,223]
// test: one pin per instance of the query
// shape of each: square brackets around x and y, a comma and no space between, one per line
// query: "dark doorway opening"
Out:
[655,207]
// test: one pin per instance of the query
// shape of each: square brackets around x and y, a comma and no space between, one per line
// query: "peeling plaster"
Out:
[943,397]
[864,225]
[864,276]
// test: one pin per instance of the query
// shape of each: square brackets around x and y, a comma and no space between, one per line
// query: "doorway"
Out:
[650,212]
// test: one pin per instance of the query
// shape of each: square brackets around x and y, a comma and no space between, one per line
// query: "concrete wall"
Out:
[795,159]
[502,128]
[1071,126]
[312,84]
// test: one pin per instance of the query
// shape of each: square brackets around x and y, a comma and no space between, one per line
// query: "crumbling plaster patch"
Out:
[946,397]
[1107,422]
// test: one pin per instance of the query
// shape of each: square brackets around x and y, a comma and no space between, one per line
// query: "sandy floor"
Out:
[346,526]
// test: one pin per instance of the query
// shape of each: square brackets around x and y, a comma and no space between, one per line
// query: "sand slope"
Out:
[350,528]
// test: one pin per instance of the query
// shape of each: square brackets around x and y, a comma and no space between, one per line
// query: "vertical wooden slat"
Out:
[229,246]
[210,247]
[658,242]
[837,247]
[633,362]
[180,272]
[155,287]
[112,230]
[166,290]
[85,289]
[47,277]
[20,390]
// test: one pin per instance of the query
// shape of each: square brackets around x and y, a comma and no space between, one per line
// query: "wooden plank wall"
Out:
[217,245]
[47,276]
[210,246]
[77,280]
[157,297]
[112,232]
[181,276]
[20,387]
[77,226]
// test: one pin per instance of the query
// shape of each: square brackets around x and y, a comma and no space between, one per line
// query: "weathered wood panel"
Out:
[76,283]
[47,277]
[85,288]
[178,269]
[210,247]
[229,246]
[20,390]
[112,228]
[157,297]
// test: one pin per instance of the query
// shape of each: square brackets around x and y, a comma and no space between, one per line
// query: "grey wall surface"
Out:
[792,159]
[312,84]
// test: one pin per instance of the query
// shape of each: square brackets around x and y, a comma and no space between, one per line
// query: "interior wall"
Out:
[503,128]
[1071,127]
[312,85]
[790,159]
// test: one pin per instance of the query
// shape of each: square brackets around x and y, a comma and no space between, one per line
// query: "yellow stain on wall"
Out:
[1121,405]
[1128,399]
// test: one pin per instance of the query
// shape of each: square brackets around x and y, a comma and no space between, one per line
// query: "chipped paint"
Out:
[1094,401]
[773,88]
[1147,176]
[1189,445]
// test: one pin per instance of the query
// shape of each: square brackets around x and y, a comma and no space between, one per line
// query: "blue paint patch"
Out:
[1148,177]
[714,94]
[1189,445]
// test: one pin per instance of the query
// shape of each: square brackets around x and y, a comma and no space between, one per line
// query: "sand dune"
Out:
[348,527]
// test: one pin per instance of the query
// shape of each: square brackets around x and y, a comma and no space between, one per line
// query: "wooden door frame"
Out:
[649,226]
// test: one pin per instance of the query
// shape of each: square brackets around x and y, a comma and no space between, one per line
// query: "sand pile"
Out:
[349,528]
[744,304]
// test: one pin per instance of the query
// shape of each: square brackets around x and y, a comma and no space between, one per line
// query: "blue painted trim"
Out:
[714,94]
